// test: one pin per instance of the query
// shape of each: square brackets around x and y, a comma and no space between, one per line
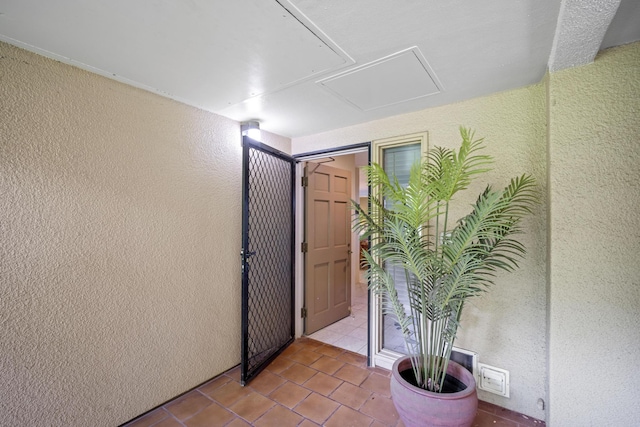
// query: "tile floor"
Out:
[309,384]
[349,333]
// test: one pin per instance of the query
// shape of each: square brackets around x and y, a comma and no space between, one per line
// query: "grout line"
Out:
[314,348]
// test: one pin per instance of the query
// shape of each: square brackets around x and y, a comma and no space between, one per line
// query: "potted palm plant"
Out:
[444,262]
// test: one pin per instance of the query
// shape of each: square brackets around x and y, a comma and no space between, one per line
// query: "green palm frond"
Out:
[443,266]
[449,171]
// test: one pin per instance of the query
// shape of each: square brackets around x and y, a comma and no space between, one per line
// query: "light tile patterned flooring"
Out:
[309,384]
[349,333]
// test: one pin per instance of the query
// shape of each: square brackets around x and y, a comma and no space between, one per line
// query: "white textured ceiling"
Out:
[306,66]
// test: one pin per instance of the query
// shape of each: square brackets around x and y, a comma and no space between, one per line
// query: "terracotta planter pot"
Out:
[418,407]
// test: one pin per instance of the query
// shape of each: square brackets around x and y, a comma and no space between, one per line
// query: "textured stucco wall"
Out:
[120,231]
[276,141]
[507,327]
[594,187]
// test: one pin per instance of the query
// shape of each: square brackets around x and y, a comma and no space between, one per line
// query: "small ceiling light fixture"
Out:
[251,129]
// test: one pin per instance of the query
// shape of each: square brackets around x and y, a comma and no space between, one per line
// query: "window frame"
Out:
[380,356]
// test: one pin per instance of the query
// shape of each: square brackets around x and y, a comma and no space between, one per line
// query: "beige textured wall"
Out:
[507,327]
[276,141]
[118,265]
[595,233]
[120,232]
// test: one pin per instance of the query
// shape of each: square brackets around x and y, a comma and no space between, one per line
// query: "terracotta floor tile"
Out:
[347,417]
[213,415]
[229,393]
[234,374]
[304,394]
[353,358]
[298,373]
[521,419]
[169,422]
[328,365]
[252,406]
[351,373]
[266,382]
[317,408]
[350,395]
[149,419]
[188,405]
[237,422]
[305,357]
[278,416]
[530,422]
[289,394]
[382,409]
[509,415]
[518,419]
[323,383]
[329,350]
[279,364]
[487,407]
[486,419]
[309,343]
[381,371]
[378,384]
[215,383]
[292,349]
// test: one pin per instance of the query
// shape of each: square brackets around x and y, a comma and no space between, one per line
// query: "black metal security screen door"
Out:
[268,226]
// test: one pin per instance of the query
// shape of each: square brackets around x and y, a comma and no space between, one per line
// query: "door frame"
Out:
[300,231]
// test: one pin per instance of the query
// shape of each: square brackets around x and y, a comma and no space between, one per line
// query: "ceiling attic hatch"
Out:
[396,78]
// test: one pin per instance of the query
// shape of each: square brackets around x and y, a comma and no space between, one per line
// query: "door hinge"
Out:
[304,247]
[305,181]
[303,312]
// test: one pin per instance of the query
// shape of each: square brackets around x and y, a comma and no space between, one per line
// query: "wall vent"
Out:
[494,380]
[468,359]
